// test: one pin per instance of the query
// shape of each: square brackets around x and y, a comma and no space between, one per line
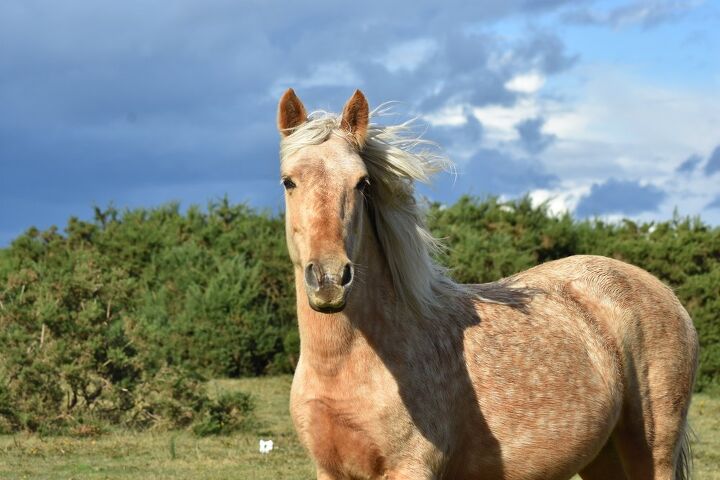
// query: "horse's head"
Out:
[325,183]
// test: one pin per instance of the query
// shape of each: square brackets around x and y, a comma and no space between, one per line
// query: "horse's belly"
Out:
[528,444]
[549,389]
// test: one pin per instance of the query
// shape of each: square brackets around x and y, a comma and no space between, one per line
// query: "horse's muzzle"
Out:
[327,285]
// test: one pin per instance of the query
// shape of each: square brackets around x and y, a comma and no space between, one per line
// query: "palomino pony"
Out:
[579,365]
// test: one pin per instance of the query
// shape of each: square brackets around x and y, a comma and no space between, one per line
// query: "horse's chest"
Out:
[342,438]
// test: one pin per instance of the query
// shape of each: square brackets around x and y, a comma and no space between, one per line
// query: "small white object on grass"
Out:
[266,446]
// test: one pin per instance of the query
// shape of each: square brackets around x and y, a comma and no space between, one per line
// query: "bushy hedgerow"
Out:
[119,318]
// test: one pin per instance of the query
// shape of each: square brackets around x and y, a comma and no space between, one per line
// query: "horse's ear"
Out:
[355,117]
[291,112]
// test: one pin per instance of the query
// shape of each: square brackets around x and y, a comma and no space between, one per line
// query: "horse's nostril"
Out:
[347,275]
[312,275]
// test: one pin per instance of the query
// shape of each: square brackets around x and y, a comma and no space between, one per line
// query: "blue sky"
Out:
[606,109]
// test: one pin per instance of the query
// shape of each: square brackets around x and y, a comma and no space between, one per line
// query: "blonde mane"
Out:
[395,157]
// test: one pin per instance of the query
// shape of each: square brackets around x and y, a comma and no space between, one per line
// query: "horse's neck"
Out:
[329,341]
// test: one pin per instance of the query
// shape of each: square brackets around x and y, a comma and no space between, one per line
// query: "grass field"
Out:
[180,455]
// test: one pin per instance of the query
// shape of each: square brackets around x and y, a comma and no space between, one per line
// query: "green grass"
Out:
[180,455]
[170,455]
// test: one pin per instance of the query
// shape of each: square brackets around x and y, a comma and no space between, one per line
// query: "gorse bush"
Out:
[120,319]
[226,414]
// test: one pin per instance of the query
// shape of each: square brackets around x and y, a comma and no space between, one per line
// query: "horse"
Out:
[581,365]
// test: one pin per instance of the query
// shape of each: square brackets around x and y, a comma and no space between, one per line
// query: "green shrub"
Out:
[228,413]
[107,321]
[117,320]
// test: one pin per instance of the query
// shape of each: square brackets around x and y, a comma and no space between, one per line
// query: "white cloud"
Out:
[615,125]
[563,198]
[453,115]
[500,121]
[611,124]
[642,127]
[331,74]
[409,55]
[529,83]
[645,13]
[566,123]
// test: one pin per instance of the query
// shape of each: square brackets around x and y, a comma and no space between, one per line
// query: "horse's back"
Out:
[645,320]
[557,375]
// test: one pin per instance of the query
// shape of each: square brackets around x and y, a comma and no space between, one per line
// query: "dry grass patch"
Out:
[181,455]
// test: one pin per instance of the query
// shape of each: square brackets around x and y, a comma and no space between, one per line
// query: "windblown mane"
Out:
[396,156]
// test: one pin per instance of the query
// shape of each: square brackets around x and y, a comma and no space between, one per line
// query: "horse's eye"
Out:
[288,184]
[363,184]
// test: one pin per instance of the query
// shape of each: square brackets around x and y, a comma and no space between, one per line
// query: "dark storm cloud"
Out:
[532,139]
[689,165]
[492,172]
[620,196]
[102,100]
[466,137]
[713,163]
[546,52]
[468,69]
